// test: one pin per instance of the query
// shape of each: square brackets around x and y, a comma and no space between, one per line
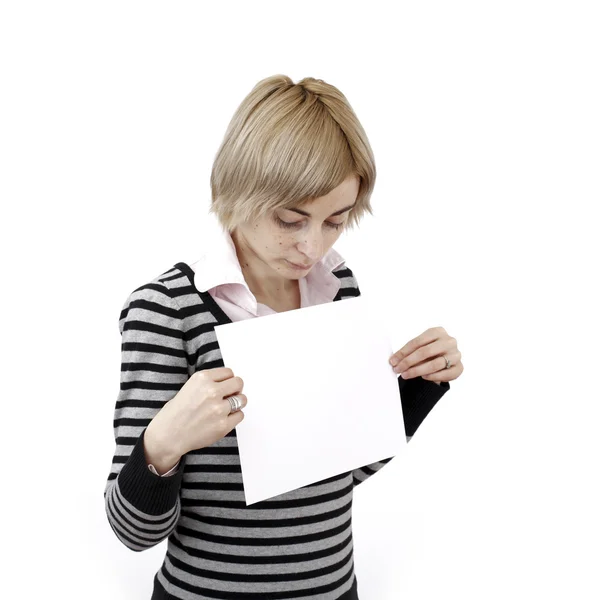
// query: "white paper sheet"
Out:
[322,396]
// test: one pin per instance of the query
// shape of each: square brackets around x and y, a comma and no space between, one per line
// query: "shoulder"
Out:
[157,298]
[348,281]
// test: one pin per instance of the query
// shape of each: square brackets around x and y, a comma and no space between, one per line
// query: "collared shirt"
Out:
[218,272]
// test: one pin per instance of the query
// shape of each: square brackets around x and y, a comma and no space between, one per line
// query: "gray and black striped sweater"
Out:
[296,545]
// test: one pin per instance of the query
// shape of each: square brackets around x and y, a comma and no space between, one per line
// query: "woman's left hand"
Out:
[424,356]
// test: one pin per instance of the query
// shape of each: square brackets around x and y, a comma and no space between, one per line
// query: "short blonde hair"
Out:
[287,144]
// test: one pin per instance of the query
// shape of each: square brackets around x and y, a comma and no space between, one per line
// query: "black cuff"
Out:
[149,493]
[419,396]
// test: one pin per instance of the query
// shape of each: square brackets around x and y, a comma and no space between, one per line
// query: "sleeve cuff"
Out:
[149,493]
[419,396]
[168,473]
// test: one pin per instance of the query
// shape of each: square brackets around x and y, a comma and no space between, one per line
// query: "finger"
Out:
[234,419]
[436,367]
[427,368]
[229,387]
[434,377]
[425,338]
[409,348]
[219,373]
[443,375]
[422,354]
[241,397]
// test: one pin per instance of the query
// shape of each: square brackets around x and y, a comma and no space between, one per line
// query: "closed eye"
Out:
[297,224]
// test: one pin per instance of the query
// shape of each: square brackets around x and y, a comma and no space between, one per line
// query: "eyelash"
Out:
[294,225]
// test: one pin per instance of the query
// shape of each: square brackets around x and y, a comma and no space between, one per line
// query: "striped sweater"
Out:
[296,545]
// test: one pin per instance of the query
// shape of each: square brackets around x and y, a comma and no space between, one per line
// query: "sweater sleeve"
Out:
[143,507]
[418,397]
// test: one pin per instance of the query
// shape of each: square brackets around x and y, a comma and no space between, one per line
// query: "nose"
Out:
[311,245]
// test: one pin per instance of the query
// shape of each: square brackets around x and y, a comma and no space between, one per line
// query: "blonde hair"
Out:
[287,144]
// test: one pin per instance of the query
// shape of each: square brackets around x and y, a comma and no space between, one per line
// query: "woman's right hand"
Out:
[197,416]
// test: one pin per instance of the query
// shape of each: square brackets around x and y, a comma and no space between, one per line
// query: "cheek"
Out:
[273,245]
[279,242]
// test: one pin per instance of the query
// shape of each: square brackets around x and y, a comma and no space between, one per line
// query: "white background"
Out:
[484,120]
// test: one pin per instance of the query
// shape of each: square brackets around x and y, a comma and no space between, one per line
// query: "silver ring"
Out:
[447,362]
[235,403]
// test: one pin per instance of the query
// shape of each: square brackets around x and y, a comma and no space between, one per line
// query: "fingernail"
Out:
[394,361]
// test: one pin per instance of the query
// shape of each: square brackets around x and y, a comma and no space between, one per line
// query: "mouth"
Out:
[299,267]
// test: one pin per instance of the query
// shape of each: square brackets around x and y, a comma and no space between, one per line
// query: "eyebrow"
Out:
[339,212]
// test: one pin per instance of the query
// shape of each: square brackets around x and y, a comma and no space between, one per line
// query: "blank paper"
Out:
[323,398]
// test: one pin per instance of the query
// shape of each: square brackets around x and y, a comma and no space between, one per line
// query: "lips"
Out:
[299,266]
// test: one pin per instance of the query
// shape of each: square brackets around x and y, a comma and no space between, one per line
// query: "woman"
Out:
[295,169]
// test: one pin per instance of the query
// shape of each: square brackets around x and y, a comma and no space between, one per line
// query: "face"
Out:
[301,235]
